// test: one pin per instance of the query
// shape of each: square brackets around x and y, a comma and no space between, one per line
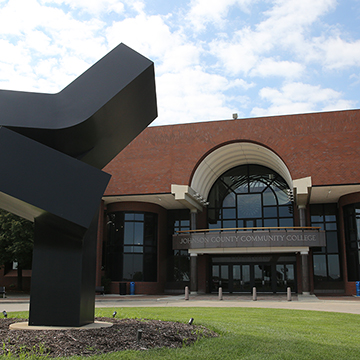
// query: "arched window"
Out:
[250,196]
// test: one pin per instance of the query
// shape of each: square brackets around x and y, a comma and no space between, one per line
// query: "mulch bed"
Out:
[121,336]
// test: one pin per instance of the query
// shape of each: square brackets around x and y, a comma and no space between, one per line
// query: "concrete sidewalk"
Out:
[343,304]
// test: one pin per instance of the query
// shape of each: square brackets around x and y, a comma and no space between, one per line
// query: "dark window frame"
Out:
[122,250]
[325,217]
[247,183]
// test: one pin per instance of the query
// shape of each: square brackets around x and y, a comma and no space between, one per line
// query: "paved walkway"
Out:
[343,304]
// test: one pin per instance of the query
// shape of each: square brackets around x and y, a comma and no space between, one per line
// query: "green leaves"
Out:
[16,239]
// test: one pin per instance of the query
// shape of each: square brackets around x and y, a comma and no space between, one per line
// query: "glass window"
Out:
[229,224]
[253,195]
[229,214]
[216,225]
[269,197]
[229,200]
[286,222]
[330,226]
[270,211]
[270,222]
[185,224]
[330,218]
[281,195]
[179,260]
[320,267]
[129,233]
[286,211]
[332,242]
[138,233]
[319,225]
[129,216]
[249,206]
[133,267]
[352,240]
[334,267]
[326,259]
[317,218]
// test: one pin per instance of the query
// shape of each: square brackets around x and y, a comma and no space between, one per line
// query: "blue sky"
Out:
[212,58]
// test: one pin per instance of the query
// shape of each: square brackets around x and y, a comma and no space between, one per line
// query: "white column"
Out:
[304,255]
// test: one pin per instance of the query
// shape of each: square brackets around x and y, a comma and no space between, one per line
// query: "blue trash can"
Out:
[132,288]
[358,288]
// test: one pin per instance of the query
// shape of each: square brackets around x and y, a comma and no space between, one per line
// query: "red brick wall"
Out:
[320,145]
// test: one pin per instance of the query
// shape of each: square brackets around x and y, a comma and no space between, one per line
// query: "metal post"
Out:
[186,293]
[289,294]
[220,293]
[254,294]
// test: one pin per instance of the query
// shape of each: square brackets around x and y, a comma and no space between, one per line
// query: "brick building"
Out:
[271,202]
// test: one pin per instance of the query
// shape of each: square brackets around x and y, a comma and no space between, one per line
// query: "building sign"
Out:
[210,240]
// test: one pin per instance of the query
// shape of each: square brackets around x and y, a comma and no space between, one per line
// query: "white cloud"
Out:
[37,36]
[90,6]
[147,34]
[194,95]
[239,55]
[299,97]
[205,67]
[203,12]
[338,53]
[288,16]
[270,67]
[284,30]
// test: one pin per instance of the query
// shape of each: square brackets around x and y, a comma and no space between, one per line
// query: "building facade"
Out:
[271,202]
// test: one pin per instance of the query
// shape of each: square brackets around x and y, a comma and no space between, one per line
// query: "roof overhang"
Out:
[167,201]
[331,193]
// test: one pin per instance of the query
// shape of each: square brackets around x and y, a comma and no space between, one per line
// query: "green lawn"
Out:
[248,333]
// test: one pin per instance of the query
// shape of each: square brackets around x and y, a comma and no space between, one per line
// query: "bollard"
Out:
[289,293]
[220,293]
[186,293]
[254,294]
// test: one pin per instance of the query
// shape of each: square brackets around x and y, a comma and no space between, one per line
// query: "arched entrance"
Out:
[247,187]
[251,197]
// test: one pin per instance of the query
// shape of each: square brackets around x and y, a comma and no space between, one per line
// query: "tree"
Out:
[16,242]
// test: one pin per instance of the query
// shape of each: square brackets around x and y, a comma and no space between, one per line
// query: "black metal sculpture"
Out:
[52,150]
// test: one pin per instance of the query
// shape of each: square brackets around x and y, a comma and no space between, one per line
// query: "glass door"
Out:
[285,277]
[224,277]
[262,277]
[220,277]
[237,277]
[241,278]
